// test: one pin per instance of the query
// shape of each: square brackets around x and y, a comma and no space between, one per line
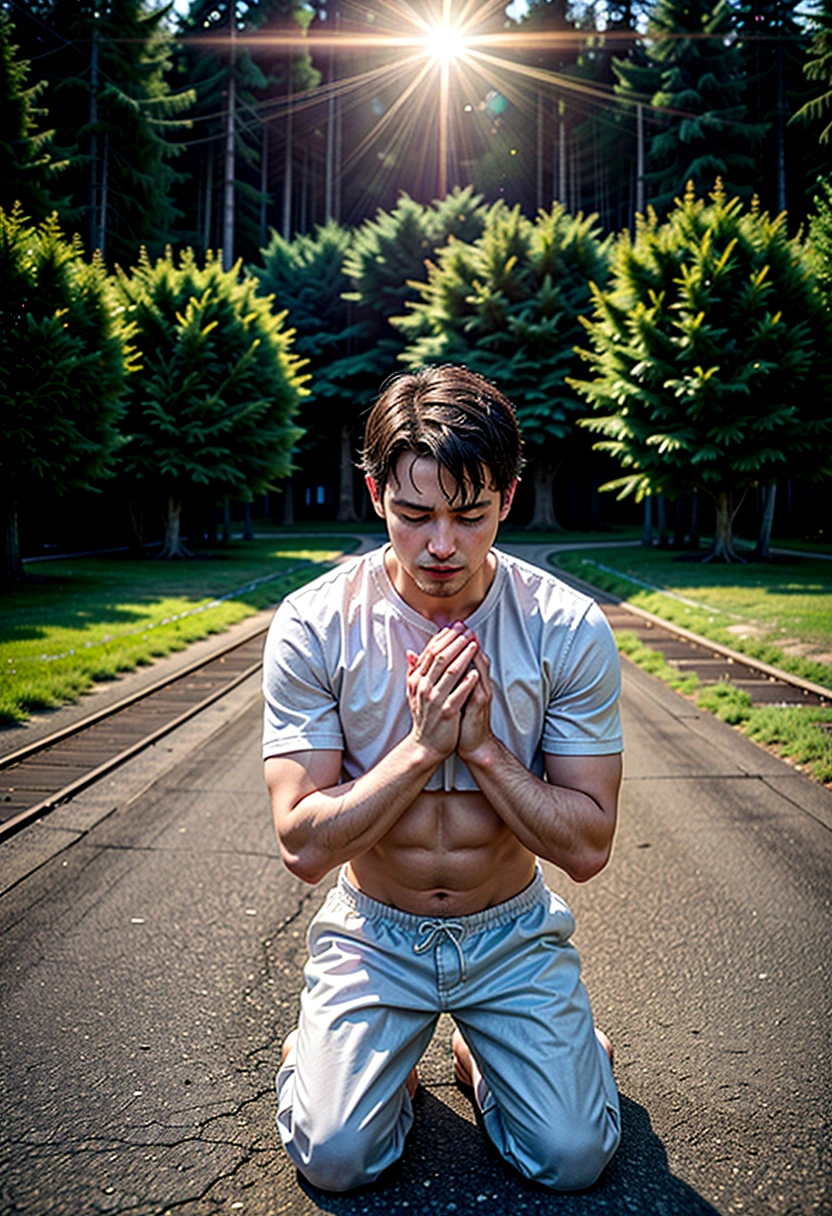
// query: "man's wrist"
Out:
[484,756]
[422,755]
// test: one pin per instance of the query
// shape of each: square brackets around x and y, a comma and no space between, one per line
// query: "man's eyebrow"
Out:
[479,505]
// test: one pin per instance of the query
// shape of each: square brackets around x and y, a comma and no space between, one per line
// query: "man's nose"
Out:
[441,542]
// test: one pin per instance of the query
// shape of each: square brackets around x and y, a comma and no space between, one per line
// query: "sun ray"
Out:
[385,120]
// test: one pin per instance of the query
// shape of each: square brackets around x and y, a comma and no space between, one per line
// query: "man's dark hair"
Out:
[452,415]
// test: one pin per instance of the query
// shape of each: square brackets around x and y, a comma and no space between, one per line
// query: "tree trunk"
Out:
[761,552]
[693,539]
[135,526]
[647,523]
[173,548]
[226,521]
[543,516]
[661,520]
[679,524]
[12,565]
[723,546]
[288,503]
[248,531]
[346,498]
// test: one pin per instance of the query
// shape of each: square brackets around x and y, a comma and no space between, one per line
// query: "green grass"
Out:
[804,734]
[757,609]
[81,620]
[655,663]
[779,612]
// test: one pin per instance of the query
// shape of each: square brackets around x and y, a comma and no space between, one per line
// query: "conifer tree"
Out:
[508,306]
[110,100]
[306,276]
[29,167]
[210,414]
[388,257]
[63,362]
[710,358]
[820,243]
[210,59]
[694,80]
[816,112]
[773,35]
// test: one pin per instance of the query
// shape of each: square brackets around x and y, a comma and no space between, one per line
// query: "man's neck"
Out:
[441,610]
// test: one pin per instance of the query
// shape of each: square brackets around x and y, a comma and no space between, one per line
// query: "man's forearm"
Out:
[331,826]
[560,824]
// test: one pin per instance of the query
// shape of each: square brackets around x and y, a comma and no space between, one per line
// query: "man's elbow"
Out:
[589,862]
[304,865]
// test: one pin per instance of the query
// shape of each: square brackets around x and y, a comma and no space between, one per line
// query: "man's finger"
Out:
[456,699]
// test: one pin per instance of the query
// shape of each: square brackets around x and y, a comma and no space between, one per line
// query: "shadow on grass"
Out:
[450,1166]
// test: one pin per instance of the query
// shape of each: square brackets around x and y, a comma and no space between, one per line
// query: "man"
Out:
[438,716]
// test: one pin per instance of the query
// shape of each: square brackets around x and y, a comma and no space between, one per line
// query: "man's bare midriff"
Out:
[449,854]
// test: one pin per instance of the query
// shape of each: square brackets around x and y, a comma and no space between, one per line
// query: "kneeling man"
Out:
[438,716]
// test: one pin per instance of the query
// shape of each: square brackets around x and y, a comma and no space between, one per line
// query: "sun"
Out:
[444,42]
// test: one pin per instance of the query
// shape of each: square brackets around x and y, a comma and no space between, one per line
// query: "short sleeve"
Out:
[301,712]
[582,716]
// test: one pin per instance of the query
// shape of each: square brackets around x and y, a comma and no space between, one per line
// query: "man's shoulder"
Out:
[542,591]
[351,578]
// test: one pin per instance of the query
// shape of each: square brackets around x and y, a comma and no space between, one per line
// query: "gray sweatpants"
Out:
[377,980]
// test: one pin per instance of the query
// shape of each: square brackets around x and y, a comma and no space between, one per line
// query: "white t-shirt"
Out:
[335,668]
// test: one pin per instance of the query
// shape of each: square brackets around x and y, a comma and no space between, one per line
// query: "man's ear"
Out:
[508,499]
[372,490]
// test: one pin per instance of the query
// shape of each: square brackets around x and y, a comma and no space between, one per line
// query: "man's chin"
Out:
[441,588]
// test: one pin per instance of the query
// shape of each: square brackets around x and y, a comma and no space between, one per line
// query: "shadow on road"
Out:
[449,1166]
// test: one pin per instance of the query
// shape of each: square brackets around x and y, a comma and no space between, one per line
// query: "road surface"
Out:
[150,966]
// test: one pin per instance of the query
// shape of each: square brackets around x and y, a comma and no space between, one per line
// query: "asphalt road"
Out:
[150,965]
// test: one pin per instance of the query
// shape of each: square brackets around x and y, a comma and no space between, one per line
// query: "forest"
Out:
[255,212]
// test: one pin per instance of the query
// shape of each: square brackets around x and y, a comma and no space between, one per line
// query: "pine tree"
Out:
[507,305]
[215,56]
[210,414]
[388,257]
[816,112]
[29,166]
[773,35]
[694,81]
[710,359]
[306,276]
[63,362]
[820,242]
[110,102]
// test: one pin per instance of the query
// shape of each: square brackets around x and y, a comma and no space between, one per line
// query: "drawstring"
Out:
[452,929]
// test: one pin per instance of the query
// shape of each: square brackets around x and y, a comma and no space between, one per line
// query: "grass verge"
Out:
[802,734]
[779,612]
[81,620]
[750,608]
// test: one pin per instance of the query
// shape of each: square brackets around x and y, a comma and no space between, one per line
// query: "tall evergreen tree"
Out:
[773,34]
[820,242]
[63,361]
[29,166]
[710,359]
[210,414]
[386,257]
[508,306]
[306,276]
[694,81]
[236,155]
[816,112]
[110,100]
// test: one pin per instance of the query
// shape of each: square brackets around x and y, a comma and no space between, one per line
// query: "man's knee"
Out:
[336,1163]
[341,1158]
[570,1158]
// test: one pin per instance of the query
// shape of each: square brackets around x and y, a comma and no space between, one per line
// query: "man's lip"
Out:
[442,570]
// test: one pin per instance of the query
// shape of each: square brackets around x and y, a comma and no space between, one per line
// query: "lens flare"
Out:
[445,43]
